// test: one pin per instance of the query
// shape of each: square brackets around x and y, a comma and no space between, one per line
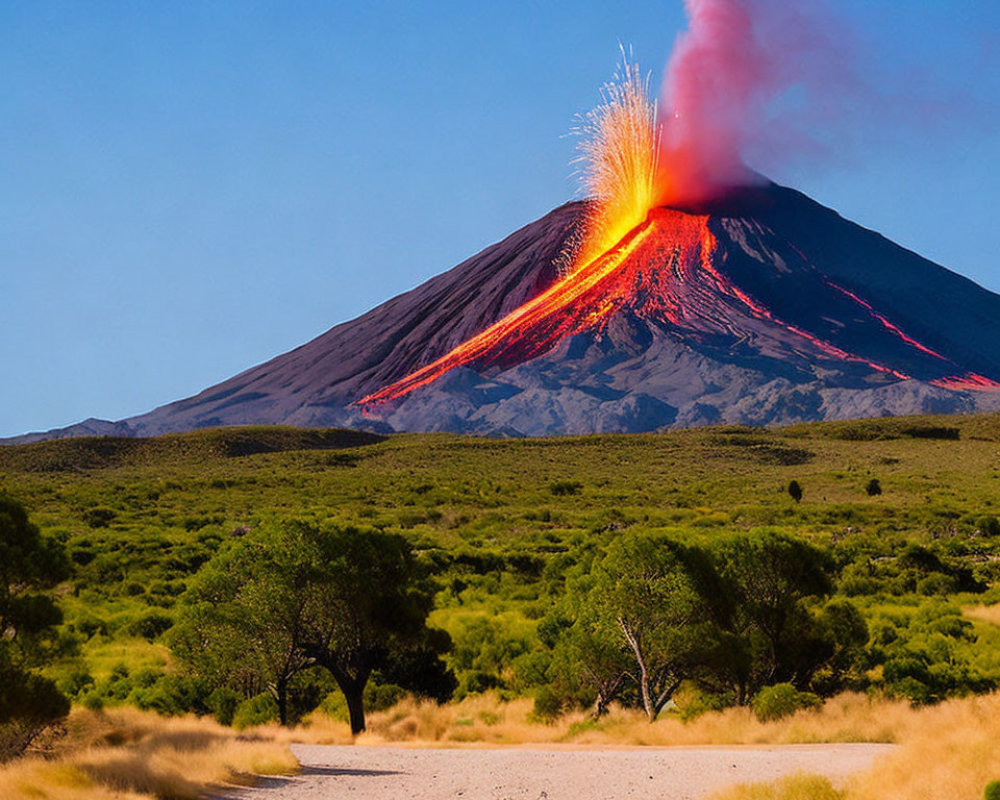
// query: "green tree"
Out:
[347,600]
[589,662]
[29,565]
[770,577]
[657,595]
[242,619]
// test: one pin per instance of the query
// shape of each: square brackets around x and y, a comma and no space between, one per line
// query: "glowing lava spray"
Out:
[736,85]
[619,153]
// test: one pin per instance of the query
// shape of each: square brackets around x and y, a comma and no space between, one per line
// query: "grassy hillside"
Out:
[502,521]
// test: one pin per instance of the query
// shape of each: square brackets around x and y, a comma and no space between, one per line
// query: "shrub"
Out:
[873,488]
[150,626]
[379,697]
[938,584]
[795,490]
[222,703]
[76,682]
[780,700]
[99,517]
[548,705]
[257,710]
[28,705]
[992,791]
[563,488]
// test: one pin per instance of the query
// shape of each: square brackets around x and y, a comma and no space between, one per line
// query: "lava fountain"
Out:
[619,151]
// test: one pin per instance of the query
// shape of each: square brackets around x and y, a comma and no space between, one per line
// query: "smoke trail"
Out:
[745,80]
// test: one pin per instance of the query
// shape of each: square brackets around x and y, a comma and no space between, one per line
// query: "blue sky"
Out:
[189,188]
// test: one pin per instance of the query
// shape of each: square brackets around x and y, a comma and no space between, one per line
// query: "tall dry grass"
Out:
[989,614]
[127,754]
[483,719]
[947,752]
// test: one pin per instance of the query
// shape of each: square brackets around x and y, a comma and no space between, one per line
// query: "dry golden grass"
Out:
[485,720]
[794,787]
[128,754]
[947,752]
[951,754]
[989,614]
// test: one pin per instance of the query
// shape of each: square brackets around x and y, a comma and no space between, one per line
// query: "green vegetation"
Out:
[271,605]
[29,564]
[526,546]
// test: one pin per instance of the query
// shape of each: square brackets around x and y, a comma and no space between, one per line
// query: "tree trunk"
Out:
[354,692]
[633,640]
[280,692]
[353,687]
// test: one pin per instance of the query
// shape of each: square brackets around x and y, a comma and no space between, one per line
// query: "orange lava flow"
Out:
[662,271]
[558,306]
[968,382]
[888,325]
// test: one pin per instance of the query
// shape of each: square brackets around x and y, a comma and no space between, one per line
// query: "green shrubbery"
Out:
[781,700]
[508,534]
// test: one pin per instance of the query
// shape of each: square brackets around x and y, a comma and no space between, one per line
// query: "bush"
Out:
[150,626]
[99,517]
[548,705]
[223,703]
[257,710]
[937,584]
[780,700]
[873,488]
[795,490]
[992,791]
[379,697]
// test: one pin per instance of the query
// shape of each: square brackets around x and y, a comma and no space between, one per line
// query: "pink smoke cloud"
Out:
[745,83]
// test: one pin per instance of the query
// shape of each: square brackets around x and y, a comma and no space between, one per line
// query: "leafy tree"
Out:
[656,594]
[347,600]
[770,576]
[590,665]
[29,564]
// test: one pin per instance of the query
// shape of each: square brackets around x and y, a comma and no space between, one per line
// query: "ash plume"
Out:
[744,83]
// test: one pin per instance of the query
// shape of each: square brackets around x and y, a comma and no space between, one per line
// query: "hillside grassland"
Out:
[500,522]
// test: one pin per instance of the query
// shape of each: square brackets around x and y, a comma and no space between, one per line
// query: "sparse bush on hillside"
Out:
[795,491]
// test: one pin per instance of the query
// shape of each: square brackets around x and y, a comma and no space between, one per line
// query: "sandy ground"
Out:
[678,773]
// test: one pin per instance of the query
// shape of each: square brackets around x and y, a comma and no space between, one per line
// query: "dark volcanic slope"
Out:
[771,310]
[310,385]
[768,309]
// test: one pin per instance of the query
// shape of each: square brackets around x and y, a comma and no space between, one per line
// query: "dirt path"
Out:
[678,773]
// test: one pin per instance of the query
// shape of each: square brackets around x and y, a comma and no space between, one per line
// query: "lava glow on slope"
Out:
[667,271]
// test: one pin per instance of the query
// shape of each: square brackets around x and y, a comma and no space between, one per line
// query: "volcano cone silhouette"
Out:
[764,309]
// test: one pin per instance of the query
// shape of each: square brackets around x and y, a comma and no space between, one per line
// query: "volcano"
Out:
[764,308]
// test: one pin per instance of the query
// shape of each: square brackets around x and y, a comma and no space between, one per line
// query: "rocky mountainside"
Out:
[765,309]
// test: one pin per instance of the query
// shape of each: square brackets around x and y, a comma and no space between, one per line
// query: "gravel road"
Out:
[676,773]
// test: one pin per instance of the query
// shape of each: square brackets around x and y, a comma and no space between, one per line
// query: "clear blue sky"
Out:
[189,188]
